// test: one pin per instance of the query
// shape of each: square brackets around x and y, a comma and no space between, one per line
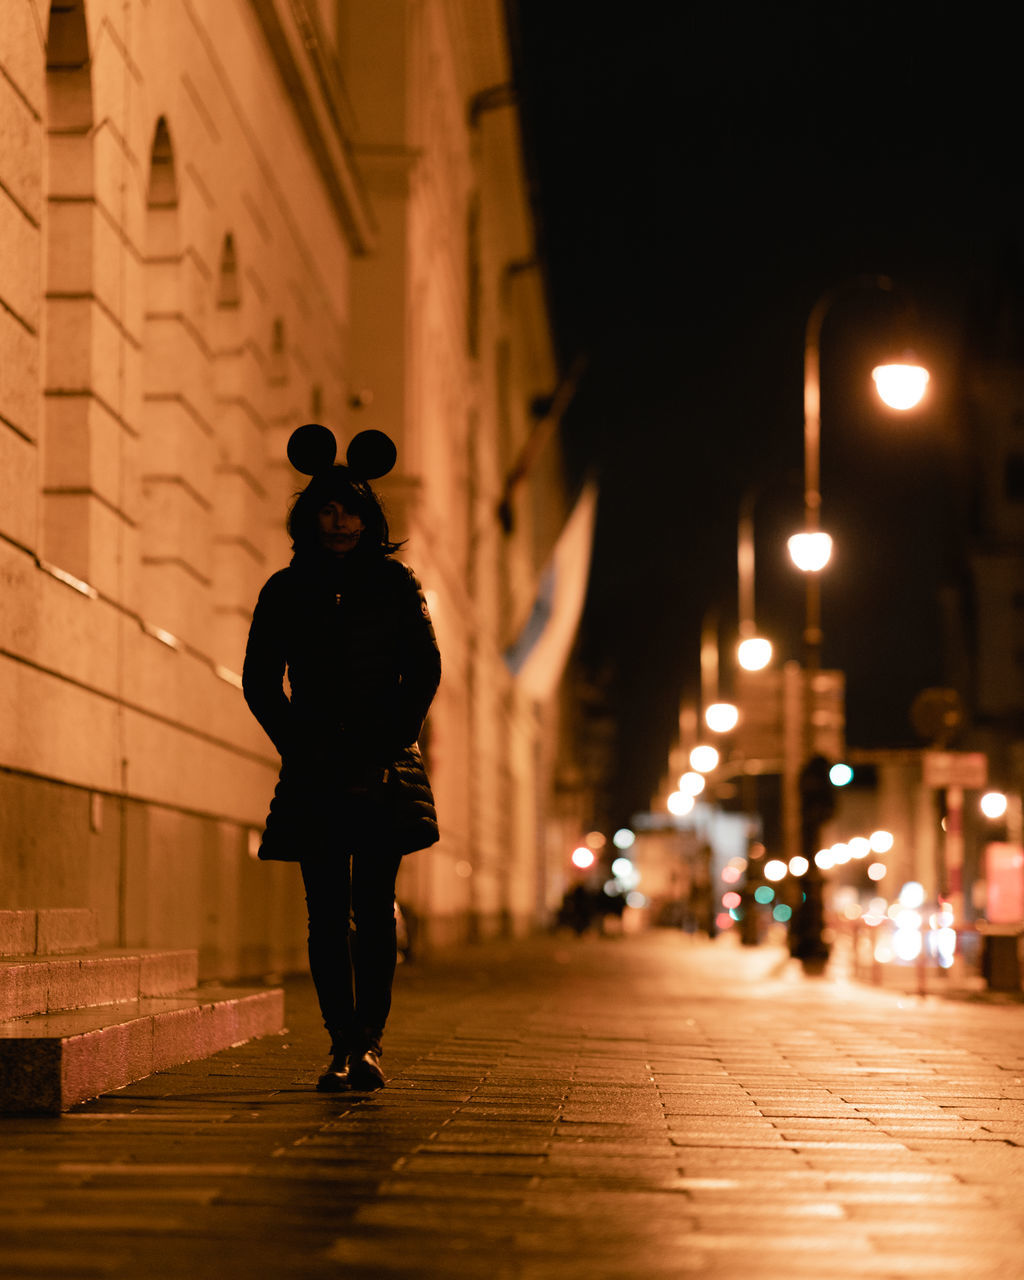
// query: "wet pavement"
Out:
[644,1106]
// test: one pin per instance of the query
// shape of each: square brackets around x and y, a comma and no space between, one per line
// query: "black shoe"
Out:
[364,1071]
[336,1078]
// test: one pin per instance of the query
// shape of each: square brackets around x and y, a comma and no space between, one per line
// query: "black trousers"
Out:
[353,947]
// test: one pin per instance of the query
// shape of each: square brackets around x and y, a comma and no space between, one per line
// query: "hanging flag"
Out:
[538,657]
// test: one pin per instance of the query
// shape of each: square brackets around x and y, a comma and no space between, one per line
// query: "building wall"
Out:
[205,245]
[456,289]
[995,423]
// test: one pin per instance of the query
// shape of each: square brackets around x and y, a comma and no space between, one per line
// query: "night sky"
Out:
[703,175]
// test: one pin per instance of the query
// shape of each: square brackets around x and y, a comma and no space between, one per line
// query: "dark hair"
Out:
[339,484]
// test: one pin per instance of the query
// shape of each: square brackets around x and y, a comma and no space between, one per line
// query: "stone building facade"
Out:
[220,220]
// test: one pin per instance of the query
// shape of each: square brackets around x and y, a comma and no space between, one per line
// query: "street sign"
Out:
[955,769]
[772,713]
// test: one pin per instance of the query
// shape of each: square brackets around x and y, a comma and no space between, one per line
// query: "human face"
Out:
[339,529]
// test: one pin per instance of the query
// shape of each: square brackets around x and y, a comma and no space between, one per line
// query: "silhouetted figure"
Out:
[577,910]
[350,626]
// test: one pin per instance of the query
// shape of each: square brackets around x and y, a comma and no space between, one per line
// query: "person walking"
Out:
[349,625]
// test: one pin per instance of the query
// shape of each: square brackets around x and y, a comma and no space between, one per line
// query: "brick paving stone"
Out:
[646,1106]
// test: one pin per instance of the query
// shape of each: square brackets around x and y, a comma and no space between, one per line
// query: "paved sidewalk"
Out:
[632,1107]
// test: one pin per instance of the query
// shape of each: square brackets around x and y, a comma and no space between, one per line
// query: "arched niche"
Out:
[176,446]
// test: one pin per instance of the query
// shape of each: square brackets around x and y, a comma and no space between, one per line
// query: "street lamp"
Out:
[722,717]
[753,652]
[719,716]
[901,384]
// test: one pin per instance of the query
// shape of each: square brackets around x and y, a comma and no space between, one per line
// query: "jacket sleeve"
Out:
[420,661]
[264,667]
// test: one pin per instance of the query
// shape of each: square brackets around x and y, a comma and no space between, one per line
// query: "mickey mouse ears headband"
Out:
[312,449]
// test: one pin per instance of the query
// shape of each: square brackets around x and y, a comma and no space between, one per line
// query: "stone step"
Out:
[35,984]
[51,1062]
[50,931]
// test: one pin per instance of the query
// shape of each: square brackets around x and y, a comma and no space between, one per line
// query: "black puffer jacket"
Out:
[355,638]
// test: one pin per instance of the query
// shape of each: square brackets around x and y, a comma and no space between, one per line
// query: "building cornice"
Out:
[294,39]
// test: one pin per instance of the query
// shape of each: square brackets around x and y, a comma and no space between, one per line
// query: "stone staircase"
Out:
[77,1020]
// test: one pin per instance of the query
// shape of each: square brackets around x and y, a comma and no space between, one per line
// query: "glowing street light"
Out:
[993,804]
[721,717]
[755,653]
[704,759]
[680,804]
[810,551]
[691,784]
[900,386]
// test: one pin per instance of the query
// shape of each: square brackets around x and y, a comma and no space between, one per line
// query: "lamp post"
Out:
[901,384]
[753,652]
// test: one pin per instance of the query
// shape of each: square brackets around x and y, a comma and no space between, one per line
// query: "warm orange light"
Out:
[583,858]
[721,717]
[810,552]
[704,759]
[680,804]
[901,386]
[754,654]
[993,804]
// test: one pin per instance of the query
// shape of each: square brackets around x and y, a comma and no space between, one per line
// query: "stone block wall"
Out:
[219,221]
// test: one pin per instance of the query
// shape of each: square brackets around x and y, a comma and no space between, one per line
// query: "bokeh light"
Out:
[798,865]
[775,869]
[840,775]
[624,838]
[764,894]
[704,759]
[993,804]
[810,552]
[731,899]
[692,784]
[721,717]
[583,858]
[824,860]
[782,913]
[755,653]
[882,841]
[625,873]
[912,895]
[876,871]
[900,386]
[680,804]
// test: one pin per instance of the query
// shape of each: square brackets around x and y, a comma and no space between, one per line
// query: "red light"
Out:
[731,900]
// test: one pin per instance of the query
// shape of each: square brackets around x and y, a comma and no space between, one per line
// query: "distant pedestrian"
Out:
[349,625]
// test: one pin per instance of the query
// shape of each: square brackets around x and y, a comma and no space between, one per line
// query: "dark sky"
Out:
[703,174]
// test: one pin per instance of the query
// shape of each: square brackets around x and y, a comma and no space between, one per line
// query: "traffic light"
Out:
[817,792]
